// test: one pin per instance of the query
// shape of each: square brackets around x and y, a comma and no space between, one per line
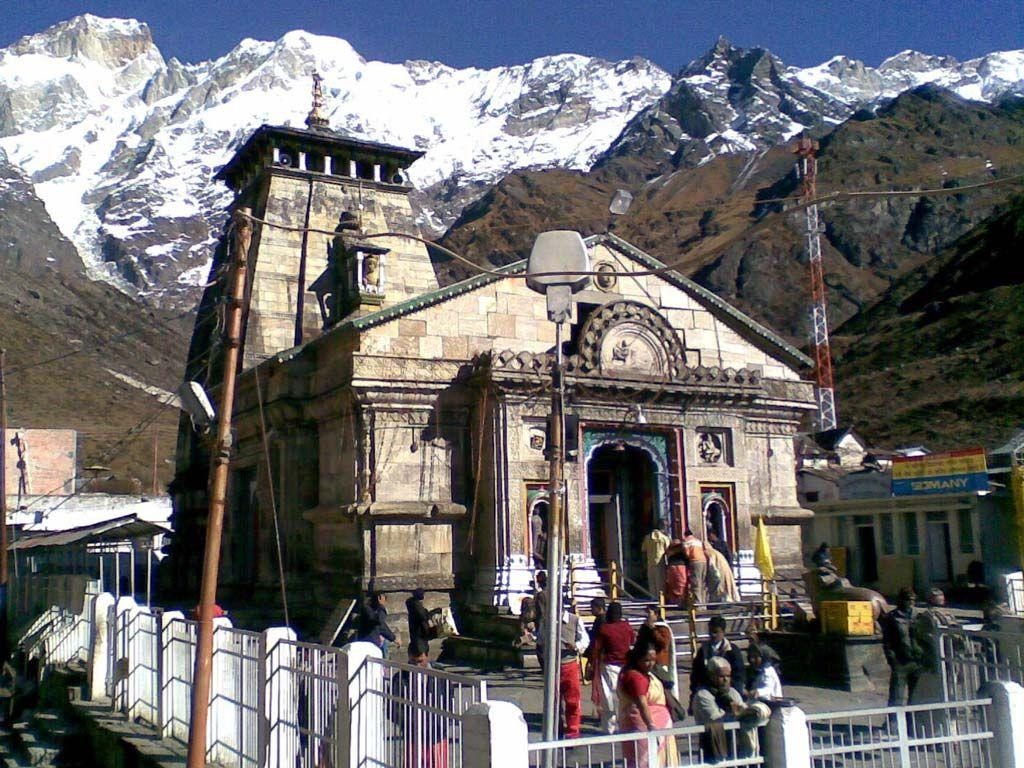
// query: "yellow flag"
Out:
[1017,486]
[763,551]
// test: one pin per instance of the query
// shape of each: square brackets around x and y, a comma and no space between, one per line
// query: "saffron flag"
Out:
[763,551]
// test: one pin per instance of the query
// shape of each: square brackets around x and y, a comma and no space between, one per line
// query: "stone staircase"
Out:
[41,739]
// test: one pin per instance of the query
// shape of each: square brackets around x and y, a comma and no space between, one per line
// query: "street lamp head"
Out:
[558,267]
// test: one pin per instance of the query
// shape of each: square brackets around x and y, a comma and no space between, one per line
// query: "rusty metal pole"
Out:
[554,608]
[3,507]
[219,464]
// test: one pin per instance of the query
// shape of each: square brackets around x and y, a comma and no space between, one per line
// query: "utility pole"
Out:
[220,463]
[807,170]
[556,481]
[559,266]
[155,455]
[3,506]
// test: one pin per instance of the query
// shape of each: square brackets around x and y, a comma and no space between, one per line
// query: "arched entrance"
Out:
[624,503]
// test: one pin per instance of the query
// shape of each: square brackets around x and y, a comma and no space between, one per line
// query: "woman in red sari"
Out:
[643,706]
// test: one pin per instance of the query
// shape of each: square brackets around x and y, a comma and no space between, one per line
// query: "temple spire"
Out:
[314,120]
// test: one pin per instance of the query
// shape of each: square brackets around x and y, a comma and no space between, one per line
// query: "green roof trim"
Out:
[434,297]
[703,294]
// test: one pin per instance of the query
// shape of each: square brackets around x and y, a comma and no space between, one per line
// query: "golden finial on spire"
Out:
[314,119]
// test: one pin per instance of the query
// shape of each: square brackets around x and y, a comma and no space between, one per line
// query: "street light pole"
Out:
[559,266]
[3,507]
[220,463]
[556,481]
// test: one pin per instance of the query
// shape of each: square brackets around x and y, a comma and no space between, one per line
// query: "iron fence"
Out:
[137,673]
[972,658]
[178,654]
[736,747]
[944,735]
[404,715]
[304,681]
[236,702]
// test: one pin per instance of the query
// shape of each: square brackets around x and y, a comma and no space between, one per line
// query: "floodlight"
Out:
[196,404]
[620,203]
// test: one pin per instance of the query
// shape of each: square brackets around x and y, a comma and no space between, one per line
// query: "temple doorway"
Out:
[622,499]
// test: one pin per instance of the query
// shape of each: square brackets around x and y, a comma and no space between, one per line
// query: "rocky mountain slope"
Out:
[940,354]
[712,220]
[80,352]
[120,144]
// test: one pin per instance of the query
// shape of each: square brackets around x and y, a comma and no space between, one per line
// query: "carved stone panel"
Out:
[714,446]
[629,339]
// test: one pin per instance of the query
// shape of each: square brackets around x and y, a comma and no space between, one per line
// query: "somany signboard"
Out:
[950,472]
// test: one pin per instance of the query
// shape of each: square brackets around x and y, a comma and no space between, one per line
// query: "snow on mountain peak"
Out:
[111,42]
[121,146]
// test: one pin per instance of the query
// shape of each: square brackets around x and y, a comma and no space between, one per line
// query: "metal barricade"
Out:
[178,652]
[137,679]
[404,715]
[303,685]
[651,749]
[972,658]
[237,698]
[952,735]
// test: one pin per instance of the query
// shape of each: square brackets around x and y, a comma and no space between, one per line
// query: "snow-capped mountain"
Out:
[121,144]
[736,100]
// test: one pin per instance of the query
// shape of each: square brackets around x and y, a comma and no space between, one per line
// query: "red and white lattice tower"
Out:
[807,169]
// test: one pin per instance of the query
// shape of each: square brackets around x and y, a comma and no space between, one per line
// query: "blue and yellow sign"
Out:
[961,471]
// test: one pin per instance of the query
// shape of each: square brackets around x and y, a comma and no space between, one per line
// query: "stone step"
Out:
[51,726]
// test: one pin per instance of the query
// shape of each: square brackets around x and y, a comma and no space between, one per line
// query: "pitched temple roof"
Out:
[732,315]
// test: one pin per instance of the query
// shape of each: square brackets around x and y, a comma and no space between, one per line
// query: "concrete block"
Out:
[494,735]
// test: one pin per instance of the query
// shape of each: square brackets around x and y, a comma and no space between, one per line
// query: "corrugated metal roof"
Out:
[119,529]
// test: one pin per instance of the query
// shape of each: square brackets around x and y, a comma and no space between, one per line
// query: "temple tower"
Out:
[317,194]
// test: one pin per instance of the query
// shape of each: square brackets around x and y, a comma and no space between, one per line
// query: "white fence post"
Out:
[787,743]
[99,656]
[279,741]
[1007,723]
[494,735]
[123,609]
[365,686]
[222,743]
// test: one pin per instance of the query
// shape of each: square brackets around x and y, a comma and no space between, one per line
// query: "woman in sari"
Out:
[643,706]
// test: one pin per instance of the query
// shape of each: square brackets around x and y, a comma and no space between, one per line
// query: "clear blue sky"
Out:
[488,33]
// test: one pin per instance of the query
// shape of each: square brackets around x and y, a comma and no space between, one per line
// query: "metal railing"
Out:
[304,683]
[138,658]
[972,658]
[683,746]
[952,735]
[404,715]
[178,658]
[236,701]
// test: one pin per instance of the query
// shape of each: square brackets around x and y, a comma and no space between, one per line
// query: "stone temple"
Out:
[390,430]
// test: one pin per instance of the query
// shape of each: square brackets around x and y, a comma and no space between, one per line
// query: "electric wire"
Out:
[128,438]
[100,346]
[265,441]
[671,266]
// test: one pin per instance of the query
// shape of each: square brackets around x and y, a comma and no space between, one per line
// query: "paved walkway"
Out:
[525,689]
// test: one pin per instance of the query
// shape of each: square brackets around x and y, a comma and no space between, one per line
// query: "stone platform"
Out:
[847,663]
